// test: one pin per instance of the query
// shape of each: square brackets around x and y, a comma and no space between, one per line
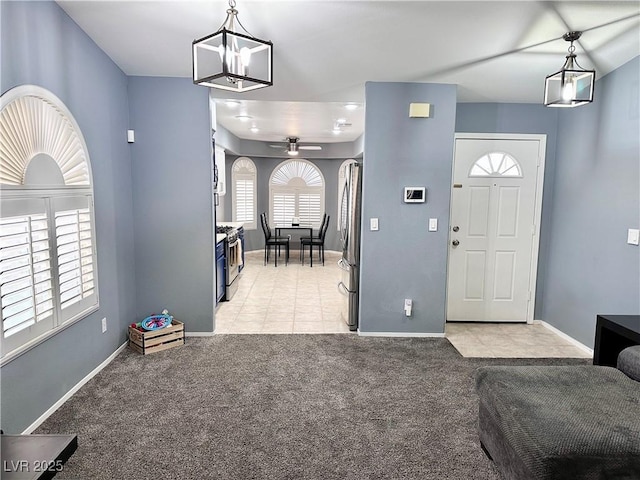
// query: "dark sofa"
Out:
[569,422]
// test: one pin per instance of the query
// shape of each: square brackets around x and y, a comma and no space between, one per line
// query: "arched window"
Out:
[48,275]
[496,164]
[342,180]
[244,179]
[296,189]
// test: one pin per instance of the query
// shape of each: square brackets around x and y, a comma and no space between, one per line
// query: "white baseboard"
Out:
[563,335]
[399,334]
[73,390]
[199,334]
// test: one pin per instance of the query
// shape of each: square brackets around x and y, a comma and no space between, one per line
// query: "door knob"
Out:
[455,243]
[456,228]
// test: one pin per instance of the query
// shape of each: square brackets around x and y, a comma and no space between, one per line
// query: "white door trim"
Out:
[535,238]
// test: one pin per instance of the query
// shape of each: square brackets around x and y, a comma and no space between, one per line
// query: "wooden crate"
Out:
[157,340]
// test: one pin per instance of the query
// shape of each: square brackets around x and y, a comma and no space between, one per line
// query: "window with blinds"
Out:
[26,290]
[75,256]
[296,189]
[244,180]
[48,261]
[309,208]
[284,207]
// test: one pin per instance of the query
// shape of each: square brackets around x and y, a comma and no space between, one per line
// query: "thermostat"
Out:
[415,194]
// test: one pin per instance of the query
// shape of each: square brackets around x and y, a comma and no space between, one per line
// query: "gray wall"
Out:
[403,259]
[41,45]
[172,199]
[596,198]
[528,119]
[254,239]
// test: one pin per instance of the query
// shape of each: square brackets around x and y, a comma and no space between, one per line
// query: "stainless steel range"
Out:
[232,259]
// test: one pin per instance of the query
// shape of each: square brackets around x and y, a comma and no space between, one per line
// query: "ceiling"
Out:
[325,51]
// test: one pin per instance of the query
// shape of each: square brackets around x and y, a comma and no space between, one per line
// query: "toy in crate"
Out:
[156,333]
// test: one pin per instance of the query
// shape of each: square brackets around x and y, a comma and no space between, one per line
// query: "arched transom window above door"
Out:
[296,190]
[496,164]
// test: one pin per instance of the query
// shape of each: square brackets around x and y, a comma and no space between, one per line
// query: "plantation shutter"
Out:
[296,189]
[244,179]
[26,290]
[309,208]
[244,201]
[284,207]
[48,259]
[75,255]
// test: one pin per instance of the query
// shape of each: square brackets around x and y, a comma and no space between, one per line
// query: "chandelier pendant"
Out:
[231,60]
[572,85]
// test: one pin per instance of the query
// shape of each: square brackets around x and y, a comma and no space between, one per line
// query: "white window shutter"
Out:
[244,179]
[284,208]
[244,201]
[296,189]
[309,208]
[47,234]
[25,273]
[75,257]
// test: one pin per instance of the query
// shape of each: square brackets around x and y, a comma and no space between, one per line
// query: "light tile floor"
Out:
[509,340]
[284,299]
[302,299]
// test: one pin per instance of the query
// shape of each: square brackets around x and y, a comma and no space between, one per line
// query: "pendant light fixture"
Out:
[231,60]
[572,85]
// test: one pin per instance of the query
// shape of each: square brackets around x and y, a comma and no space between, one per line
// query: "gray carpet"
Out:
[282,407]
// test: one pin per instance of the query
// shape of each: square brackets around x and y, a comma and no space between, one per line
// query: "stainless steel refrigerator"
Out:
[350,212]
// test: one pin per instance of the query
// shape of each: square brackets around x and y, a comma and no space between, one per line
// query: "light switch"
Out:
[373,224]
[433,224]
[633,236]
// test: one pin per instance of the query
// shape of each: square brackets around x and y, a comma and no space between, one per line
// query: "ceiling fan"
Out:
[292,146]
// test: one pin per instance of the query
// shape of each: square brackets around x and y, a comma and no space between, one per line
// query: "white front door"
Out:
[493,235]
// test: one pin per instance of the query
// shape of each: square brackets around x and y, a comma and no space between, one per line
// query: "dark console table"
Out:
[614,333]
[30,457]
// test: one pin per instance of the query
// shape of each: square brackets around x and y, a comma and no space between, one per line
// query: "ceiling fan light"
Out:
[293,146]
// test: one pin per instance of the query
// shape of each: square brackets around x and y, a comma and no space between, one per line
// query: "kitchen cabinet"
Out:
[220,271]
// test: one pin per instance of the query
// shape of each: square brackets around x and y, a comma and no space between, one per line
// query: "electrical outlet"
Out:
[104,324]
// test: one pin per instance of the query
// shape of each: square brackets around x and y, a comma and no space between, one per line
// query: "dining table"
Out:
[288,226]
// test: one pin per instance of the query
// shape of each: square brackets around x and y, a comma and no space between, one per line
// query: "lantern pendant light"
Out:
[231,60]
[572,85]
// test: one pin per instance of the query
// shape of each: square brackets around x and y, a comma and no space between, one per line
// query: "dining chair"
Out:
[306,239]
[271,240]
[317,241]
